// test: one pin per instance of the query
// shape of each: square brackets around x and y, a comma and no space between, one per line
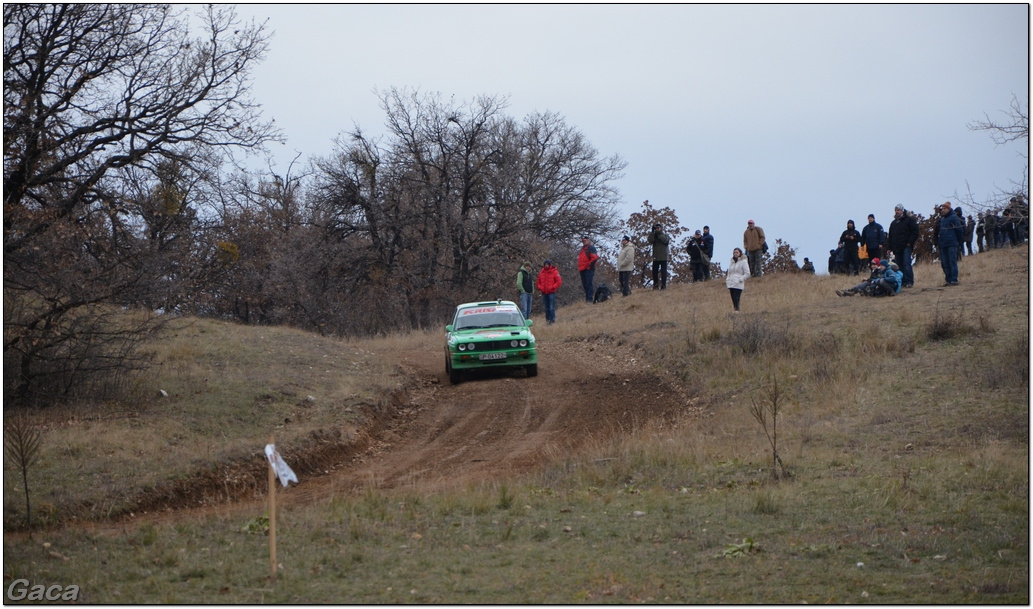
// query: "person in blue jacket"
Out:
[949,238]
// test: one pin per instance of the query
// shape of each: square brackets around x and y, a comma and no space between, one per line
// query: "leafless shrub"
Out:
[771,407]
[21,448]
[946,326]
[753,335]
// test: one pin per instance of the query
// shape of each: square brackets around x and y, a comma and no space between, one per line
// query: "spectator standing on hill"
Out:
[549,282]
[991,229]
[625,265]
[736,275]
[961,244]
[873,237]
[697,256]
[754,242]
[708,249]
[949,238]
[525,286]
[849,240]
[903,234]
[658,239]
[970,231]
[980,232]
[586,260]
[808,266]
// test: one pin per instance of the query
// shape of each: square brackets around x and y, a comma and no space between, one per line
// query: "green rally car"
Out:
[487,335]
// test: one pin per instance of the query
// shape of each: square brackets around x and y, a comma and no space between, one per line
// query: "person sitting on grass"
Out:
[892,278]
[866,287]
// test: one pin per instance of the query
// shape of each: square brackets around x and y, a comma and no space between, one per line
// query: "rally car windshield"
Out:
[493,319]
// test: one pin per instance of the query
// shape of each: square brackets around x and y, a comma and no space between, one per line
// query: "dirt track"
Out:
[437,436]
[501,423]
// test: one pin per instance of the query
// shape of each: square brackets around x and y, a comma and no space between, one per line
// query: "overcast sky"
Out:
[797,116]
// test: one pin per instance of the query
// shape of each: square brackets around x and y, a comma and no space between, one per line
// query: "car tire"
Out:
[454,376]
[532,370]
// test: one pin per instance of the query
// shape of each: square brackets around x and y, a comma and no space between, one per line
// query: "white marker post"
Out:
[278,468]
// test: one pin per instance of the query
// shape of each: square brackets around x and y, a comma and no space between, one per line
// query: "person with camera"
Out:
[658,239]
[698,258]
[586,260]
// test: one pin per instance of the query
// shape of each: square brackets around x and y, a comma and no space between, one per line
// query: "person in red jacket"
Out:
[549,283]
[586,260]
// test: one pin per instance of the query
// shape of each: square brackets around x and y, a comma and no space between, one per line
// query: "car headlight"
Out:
[513,343]
[523,342]
[462,347]
[469,347]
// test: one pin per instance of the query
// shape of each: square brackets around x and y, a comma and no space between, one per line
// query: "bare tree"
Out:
[454,194]
[639,225]
[111,113]
[1013,201]
[1014,127]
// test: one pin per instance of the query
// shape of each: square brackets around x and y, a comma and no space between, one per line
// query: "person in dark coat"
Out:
[950,236]
[708,249]
[697,255]
[873,237]
[903,234]
[849,240]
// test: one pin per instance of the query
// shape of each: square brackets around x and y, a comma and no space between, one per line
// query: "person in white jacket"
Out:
[736,276]
[625,265]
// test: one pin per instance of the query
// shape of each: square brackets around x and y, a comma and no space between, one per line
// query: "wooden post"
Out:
[272,518]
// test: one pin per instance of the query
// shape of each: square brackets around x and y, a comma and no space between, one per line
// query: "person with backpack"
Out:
[697,256]
[626,265]
[586,260]
[525,287]
[549,282]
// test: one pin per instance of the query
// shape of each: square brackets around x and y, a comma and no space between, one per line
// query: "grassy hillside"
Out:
[902,427]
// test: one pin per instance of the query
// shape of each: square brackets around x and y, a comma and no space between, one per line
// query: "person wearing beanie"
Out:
[708,249]
[903,234]
[949,238]
[525,287]
[873,237]
[698,258]
[849,240]
[754,243]
[626,265]
[586,261]
[658,239]
[868,286]
[549,283]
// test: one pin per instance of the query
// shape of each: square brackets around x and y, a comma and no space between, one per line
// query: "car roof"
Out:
[489,303]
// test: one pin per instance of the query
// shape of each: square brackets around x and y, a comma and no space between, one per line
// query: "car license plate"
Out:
[488,356]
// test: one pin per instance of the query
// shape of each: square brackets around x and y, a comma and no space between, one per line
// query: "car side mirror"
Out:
[448,328]
[529,323]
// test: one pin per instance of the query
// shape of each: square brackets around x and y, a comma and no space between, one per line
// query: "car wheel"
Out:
[454,376]
[532,370]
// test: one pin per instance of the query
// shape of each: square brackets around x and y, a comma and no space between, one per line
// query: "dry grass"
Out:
[909,454]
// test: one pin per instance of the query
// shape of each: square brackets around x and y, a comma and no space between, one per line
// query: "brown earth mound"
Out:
[436,436]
